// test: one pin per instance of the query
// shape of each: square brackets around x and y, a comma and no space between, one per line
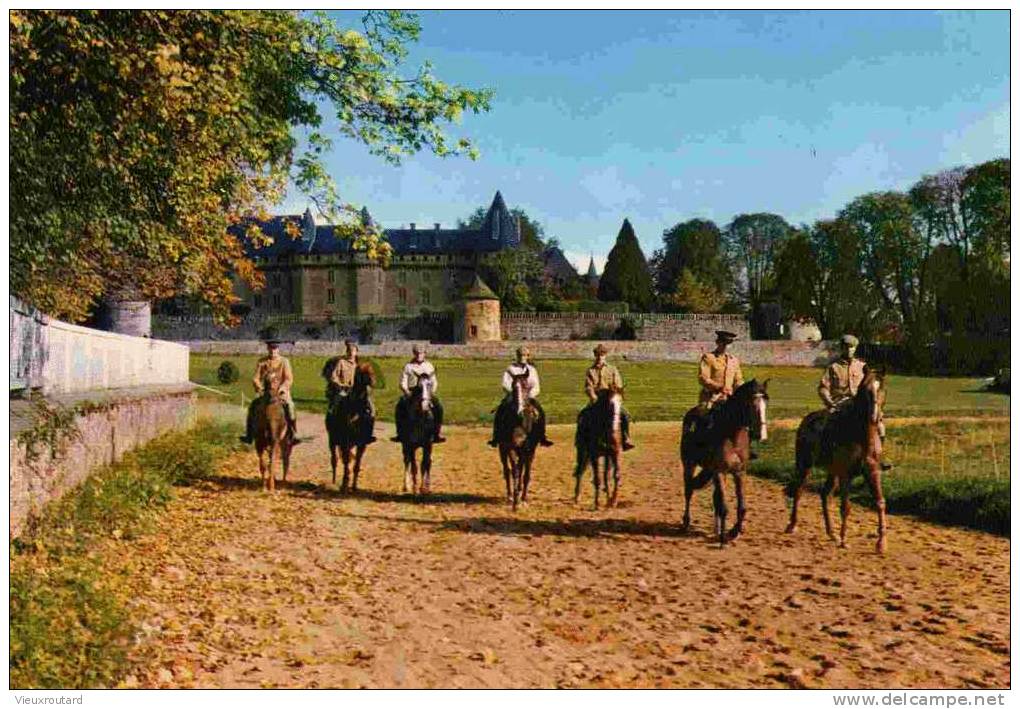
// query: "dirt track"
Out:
[307,589]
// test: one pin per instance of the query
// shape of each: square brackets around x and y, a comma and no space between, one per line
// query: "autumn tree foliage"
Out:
[137,139]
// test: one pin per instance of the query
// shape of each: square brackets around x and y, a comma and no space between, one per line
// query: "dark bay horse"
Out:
[723,445]
[599,436]
[419,432]
[846,443]
[347,425]
[518,435]
[272,435]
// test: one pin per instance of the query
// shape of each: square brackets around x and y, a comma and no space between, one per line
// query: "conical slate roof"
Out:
[592,273]
[479,291]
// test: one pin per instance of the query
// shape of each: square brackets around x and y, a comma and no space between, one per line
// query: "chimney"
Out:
[437,226]
[412,226]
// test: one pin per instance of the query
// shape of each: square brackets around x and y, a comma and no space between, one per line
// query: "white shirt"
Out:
[413,370]
[531,387]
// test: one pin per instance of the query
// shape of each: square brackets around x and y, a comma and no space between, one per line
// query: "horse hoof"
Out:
[843,545]
[880,546]
[791,528]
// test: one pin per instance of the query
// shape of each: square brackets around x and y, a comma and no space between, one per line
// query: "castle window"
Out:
[402,296]
[426,296]
[276,300]
[330,296]
[276,279]
[474,331]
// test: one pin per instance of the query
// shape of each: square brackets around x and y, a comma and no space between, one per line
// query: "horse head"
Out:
[871,393]
[269,392]
[423,392]
[755,396]
[517,391]
[364,376]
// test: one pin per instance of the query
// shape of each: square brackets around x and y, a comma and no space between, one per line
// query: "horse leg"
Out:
[875,483]
[357,467]
[262,467]
[272,460]
[719,505]
[615,458]
[582,463]
[738,488]
[595,478]
[515,467]
[426,469]
[687,468]
[345,452]
[333,459]
[830,483]
[844,508]
[504,459]
[528,459]
[798,488]
[408,459]
[285,454]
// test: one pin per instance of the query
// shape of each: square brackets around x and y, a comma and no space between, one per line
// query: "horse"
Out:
[723,445]
[345,425]
[419,432]
[599,435]
[272,434]
[517,435]
[846,442]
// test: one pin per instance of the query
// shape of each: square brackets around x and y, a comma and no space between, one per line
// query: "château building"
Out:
[319,275]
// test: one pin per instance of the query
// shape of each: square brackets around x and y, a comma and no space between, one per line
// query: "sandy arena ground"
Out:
[305,588]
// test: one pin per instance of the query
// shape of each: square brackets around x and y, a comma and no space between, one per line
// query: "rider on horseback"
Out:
[275,369]
[602,376]
[719,375]
[342,379]
[413,370]
[519,368]
[841,380]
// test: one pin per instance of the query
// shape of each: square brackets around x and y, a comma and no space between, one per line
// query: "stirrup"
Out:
[545,442]
[627,445]
[438,439]
[493,443]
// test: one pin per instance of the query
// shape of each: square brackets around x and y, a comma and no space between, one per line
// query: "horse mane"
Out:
[735,412]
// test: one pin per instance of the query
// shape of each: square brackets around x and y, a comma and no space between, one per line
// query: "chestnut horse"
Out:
[846,443]
[272,435]
[721,445]
[599,436]
[517,435]
[348,425]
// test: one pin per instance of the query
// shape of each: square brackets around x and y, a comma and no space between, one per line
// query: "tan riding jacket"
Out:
[281,377]
[600,378]
[343,372]
[718,372]
[840,381]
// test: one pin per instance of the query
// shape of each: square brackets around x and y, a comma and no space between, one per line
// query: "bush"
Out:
[626,330]
[227,372]
[314,332]
[366,333]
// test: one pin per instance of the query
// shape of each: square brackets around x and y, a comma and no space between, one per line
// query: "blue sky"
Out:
[667,116]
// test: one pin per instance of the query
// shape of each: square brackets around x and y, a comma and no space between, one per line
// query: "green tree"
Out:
[690,295]
[696,246]
[752,241]
[895,247]
[626,276]
[516,276]
[137,139]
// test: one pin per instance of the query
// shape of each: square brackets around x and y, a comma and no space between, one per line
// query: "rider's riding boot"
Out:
[292,425]
[249,435]
[625,432]
[437,438]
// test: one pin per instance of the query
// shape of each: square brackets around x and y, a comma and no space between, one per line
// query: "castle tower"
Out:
[477,315]
[592,277]
[499,225]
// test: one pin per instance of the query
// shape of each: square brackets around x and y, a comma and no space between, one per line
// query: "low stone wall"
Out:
[117,421]
[62,358]
[433,326]
[693,327]
[757,352]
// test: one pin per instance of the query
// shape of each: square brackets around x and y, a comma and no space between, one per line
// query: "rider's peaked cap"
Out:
[849,340]
[601,349]
[725,335]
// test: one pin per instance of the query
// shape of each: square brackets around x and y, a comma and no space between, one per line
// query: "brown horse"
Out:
[518,435]
[600,436]
[419,432]
[272,435]
[348,425]
[723,445]
[846,443]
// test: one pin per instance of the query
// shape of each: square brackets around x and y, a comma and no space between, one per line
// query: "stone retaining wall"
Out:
[671,327]
[119,420]
[757,352]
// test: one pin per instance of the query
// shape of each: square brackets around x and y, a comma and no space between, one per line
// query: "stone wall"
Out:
[757,352]
[61,358]
[670,327]
[433,326]
[119,421]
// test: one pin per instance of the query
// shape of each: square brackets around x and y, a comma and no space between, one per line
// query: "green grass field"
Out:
[655,391]
[950,472]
